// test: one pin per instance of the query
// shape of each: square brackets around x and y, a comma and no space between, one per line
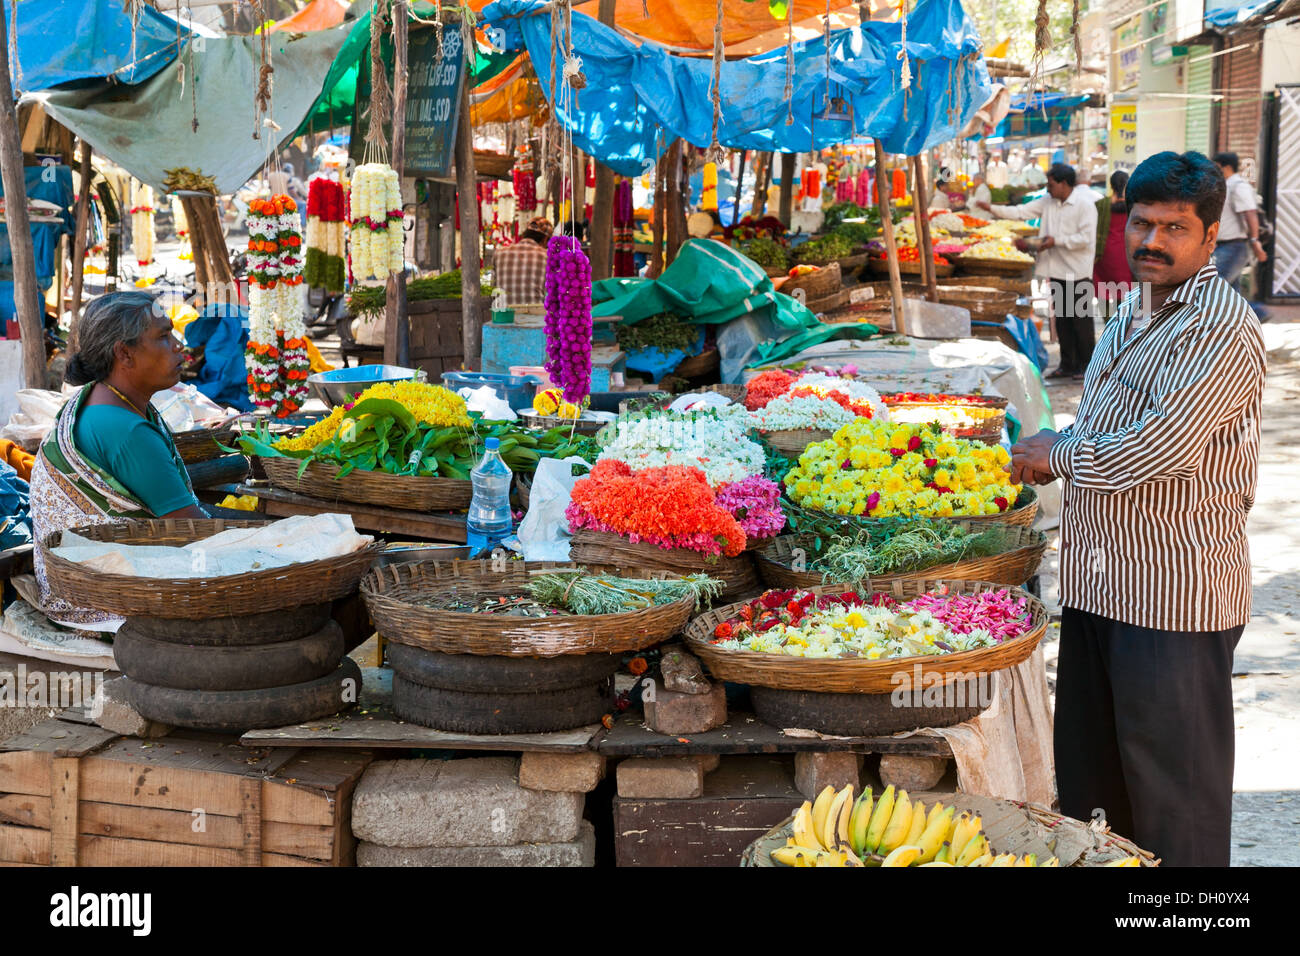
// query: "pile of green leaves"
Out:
[581,592]
[371,299]
[768,253]
[666,332]
[838,212]
[823,250]
[844,549]
[380,434]
[857,233]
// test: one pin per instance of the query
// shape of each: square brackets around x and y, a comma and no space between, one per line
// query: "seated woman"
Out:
[110,456]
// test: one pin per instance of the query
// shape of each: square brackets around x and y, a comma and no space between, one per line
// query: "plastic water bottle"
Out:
[489,520]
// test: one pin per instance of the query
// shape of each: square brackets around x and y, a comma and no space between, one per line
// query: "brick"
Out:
[571,773]
[674,714]
[906,772]
[814,772]
[575,853]
[459,803]
[682,672]
[709,762]
[117,715]
[659,778]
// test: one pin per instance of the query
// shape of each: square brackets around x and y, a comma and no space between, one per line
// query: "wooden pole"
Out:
[675,211]
[787,189]
[762,183]
[891,248]
[79,244]
[397,324]
[660,218]
[602,207]
[27,300]
[467,187]
[740,182]
[921,211]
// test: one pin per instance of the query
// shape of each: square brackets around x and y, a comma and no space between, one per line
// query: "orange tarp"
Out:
[317,15]
[511,94]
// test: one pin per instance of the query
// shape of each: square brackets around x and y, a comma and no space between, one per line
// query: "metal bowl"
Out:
[338,387]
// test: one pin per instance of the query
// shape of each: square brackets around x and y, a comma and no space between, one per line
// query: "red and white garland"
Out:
[325,242]
[276,357]
[142,231]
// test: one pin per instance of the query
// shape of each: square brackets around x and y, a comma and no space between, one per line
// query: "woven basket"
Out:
[694,366]
[407,492]
[997,267]
[1022,513]
[200,444]
[392,595]
[816,285]
[610,552]
[850,264]
[910,268]
[978,401]
[1017,561]
[776,272]
[791,442]
[581,426]
[524,487]
[235,595]
[857,675]
[734,392]
[829,303]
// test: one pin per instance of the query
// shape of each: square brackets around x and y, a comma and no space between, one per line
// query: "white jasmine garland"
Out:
[807,411]
[718,447]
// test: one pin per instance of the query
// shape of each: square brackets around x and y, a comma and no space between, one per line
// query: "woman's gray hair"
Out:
[116,317]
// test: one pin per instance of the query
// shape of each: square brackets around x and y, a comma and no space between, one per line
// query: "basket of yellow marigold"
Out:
[876,469]
[326,479]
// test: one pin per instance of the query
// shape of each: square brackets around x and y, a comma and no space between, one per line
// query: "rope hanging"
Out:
[905,75]
[1042,43]
[1078,42]
[381,94]
[789,63]
[716,154]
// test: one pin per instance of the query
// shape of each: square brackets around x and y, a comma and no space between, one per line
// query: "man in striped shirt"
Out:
[1159,472]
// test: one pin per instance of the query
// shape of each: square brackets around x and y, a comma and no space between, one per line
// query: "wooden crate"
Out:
[74,794]
[437,334]
[743,799]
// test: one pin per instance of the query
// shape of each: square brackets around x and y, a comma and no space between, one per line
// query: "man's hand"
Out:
[1029,459]
[984,204]
[1047,243]
[1260,254]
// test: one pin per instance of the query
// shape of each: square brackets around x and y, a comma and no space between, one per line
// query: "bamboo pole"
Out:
[79,244]
[787,189]
[27,300]
[602,208]
[762,182]
[891,248]
[467,187]
[660,218]
[397,323]
[921,212]
[676,209]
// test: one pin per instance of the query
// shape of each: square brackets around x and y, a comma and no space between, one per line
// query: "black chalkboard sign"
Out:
[434,80]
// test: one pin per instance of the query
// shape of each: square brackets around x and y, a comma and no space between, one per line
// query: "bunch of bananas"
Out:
[836,830]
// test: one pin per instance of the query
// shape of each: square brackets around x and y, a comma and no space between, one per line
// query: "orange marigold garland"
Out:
[276,356]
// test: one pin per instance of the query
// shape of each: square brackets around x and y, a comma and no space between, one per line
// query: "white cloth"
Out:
[1240,200]
[237,551]
[940,200]
[981,194]
[996,174]
[1073,227]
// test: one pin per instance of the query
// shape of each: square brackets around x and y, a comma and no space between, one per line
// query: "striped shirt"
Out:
[1159,467]
[520,272]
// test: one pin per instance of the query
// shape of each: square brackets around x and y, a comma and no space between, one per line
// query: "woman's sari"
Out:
[69,490]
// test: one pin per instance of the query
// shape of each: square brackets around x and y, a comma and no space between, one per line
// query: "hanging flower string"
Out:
[568,317]
[276,357]
[376,225]
[324,267]
[142,223]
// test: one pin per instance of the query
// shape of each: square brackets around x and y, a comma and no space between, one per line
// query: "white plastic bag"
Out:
[544,532]
[486,400]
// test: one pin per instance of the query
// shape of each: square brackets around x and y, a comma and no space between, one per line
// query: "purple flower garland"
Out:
[568,317]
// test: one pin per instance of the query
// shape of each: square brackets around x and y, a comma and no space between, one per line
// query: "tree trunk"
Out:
[602,207]
[79,245]
[787,188]
[676,210]
[27,298]
[660,218]
[920,210]
[891,248]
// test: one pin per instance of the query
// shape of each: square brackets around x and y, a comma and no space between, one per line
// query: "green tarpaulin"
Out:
[710,283]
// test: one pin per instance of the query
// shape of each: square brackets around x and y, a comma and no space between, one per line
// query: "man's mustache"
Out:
[1145,253]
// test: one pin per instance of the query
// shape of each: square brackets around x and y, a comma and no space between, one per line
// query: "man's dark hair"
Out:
[1173,177]
[1118,180]
[1062,173]
[1228,159]
[537,237]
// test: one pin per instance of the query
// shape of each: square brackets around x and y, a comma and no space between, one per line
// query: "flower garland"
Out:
[376,223]
[142,231]
[765,386]
[182,226]
[671,507]
[431,404]
[524,182]
[718,447]
[795,411]
[881,470]
[324,267]
[568,317]
[276,356]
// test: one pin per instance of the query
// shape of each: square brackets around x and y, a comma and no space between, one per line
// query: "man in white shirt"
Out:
[1065,259]
[1239,227]
[997,172]
[980,192]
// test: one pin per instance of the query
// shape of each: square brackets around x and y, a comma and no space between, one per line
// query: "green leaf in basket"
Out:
[380,408]
[454,471]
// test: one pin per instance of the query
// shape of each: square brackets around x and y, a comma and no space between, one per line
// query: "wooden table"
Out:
[278,503]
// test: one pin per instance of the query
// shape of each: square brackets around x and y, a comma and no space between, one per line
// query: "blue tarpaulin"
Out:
[222,332]
[639,97]
[65,41]
[1229,13]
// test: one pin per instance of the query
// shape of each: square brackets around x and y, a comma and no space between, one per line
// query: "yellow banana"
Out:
[973,850]
[900,824]
[790,855]
[1127,861]
[851,858]
[1029,859]
[880,819]
[962,834]
[804,835]
[936,863]
[858,822]
[945,853]
[842,821]
[936,828]
[821,806]
[913,837]
[1051,862]
[985,860]
[936,812]
[830,830]
[902,856]
[1004,859]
